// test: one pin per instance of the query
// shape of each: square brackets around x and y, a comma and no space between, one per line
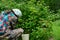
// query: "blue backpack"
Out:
[4,22]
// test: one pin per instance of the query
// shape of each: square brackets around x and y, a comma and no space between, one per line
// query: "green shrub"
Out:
[35,20]
[31,21]
[53,4]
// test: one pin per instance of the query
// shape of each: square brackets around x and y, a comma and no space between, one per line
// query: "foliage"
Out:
[53,4]
[56,29]
[53,17]
[35,19]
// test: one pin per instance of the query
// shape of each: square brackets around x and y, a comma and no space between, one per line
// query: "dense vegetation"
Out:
[37,17]
[54,4]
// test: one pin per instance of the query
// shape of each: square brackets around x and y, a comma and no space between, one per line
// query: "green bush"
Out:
[54,16]
[35,19]
[54,4]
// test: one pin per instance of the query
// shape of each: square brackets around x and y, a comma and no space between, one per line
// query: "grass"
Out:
[56,30]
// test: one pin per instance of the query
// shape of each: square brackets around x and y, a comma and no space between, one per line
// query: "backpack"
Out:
[4,22]
[3,25]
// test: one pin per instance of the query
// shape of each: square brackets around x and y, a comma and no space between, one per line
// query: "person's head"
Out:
[15,14]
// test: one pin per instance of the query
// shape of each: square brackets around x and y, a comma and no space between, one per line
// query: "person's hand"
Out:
[21,30]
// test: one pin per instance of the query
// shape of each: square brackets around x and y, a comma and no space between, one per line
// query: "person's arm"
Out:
[7,33]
